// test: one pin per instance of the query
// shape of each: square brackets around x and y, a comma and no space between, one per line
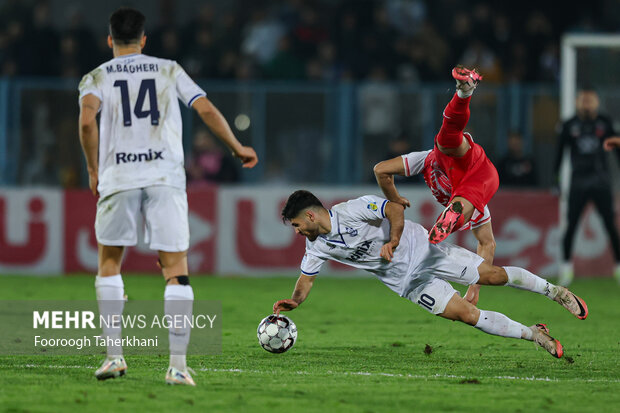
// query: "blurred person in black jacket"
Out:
[584,134]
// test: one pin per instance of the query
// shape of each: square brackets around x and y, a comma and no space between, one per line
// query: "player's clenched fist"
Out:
[403,201]
[248,156]
[284,305]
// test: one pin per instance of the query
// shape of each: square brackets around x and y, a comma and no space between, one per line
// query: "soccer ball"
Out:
[276,334]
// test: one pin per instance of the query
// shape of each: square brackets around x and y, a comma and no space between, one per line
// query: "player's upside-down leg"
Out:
[457,157]
[450,142]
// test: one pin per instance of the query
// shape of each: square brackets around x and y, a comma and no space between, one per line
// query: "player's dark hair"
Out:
[126,25]
[297,202]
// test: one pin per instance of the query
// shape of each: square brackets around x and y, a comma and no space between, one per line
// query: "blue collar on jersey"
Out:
[335,232]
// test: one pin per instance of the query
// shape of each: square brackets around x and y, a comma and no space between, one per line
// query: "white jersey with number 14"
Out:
[140,130]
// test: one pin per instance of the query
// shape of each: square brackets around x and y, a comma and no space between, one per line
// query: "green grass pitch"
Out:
[361,348]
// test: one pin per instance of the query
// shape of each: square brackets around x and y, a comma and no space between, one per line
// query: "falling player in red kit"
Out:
[456,170]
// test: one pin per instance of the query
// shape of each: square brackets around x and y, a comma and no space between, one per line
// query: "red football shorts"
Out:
[473,176]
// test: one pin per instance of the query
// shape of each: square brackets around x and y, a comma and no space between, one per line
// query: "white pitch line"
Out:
[36,366]
[357,373]
[416,376]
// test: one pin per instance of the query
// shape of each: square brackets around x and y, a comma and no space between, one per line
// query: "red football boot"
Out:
[449,221]
[466,79]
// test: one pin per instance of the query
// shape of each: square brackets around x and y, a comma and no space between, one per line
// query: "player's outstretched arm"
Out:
[395,213]
[302,289]
[212,117]
[384,173]
[89,138]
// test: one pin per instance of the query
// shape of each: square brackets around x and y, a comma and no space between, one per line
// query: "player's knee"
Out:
[469,314]
[459,309]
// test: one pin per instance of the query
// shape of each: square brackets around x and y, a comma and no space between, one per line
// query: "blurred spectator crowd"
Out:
[372,41]
[404,40]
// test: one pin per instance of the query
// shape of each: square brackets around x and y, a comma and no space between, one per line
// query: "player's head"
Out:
[301,210]
[587,103]
[127,27]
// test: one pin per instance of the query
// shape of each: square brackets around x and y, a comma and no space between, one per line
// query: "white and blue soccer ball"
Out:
[276,333]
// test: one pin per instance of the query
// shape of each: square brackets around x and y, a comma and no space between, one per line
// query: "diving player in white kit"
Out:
[136,165]
[371,233]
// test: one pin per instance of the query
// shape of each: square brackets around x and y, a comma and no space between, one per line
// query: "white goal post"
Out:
[568,73]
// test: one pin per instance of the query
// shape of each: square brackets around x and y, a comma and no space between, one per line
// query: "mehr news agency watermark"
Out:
[141,327]
[71,320]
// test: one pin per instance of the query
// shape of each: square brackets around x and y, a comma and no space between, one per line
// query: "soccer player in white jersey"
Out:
[370,233]
[136,166]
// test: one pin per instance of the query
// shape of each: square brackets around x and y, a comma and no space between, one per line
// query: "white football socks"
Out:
[499,325]
[178,301]
[110,291]
[524,280]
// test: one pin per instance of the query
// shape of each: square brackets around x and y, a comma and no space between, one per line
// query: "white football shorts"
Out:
[433,295]
[164,209]
[443,262]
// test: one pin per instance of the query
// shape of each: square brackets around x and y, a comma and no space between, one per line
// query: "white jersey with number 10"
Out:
[140,130]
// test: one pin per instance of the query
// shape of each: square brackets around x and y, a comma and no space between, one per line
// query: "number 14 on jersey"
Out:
[147,87]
